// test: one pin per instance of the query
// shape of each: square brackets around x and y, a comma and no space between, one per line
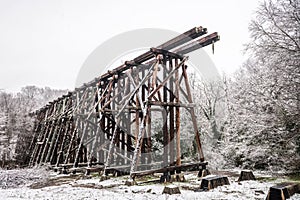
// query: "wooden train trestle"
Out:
[107,122]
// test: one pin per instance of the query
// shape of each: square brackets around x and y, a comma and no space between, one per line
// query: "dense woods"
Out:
[257,125]
[267,95]
[15,122]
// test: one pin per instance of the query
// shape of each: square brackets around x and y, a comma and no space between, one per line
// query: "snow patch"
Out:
[21,177]
[16,182]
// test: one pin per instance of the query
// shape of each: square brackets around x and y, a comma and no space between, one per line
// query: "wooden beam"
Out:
[177,118]
[192,111]
[169,168]
[167,78]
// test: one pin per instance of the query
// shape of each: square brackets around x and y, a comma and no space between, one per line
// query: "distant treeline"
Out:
[15,123]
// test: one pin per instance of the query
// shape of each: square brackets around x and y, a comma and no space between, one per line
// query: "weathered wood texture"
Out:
[109,120]
[171,189]
[211,182]
[203,172]
[283,191]
[246,175]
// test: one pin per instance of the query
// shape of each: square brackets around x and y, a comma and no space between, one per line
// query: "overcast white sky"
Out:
[45,42]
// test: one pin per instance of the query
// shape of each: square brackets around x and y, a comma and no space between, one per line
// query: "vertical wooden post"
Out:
[117,89]
[102,137]
[128,139]
[66,102]
[33,143]
[171,110]
[72,140]
[166,139]
[69,126]
[41,133]
[177,120]
[124,120]
[54,140]
[148,121]
[46,139]
[144,143]
[58,126]
[192,111]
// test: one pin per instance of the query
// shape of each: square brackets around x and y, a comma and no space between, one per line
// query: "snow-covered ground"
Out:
[22,177]
[17,184]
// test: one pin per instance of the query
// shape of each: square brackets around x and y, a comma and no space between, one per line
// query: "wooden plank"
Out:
[169,168]
[173,104]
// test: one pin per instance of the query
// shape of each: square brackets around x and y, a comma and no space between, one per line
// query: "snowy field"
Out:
[41,184]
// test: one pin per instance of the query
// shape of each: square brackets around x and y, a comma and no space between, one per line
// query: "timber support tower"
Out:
[107,124]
